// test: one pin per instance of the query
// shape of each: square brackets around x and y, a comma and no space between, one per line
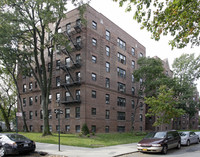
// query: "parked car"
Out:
[188,137]
[198,133]
[13,143]
[160,141]
[1,150]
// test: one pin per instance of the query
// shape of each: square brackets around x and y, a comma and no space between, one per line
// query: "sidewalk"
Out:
[71,151]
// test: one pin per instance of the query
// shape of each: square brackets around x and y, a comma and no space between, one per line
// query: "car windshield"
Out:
[183,133]
[156,135]
[16,137]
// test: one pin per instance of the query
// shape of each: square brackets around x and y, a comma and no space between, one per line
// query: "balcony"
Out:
[71,65]
[70,82]
[70,100]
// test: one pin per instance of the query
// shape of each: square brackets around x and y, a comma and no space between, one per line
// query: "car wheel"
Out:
[164,150]
[188,142]
[2,151]
[179,145]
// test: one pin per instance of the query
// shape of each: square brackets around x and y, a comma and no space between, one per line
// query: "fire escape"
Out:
[72,63]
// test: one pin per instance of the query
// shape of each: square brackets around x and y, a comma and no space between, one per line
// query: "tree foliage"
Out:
[164,106]
[179,18]
[30,28]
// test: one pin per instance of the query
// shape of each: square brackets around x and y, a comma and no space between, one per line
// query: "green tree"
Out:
[28,26]
[8,100]
[164,106]
[186,71]
[179,18]
[149,75]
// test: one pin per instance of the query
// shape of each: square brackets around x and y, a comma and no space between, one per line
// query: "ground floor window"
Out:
[78,128]
[107,129]
[93,128]
[67,128]
[120,128]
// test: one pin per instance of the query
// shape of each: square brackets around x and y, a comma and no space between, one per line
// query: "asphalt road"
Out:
[185,151]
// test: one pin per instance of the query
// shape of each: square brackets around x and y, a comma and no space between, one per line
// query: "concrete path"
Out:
[71,151]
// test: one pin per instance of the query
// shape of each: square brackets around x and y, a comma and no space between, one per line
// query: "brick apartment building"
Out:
[93,83]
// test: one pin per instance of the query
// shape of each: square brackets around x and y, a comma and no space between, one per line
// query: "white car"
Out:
[198,133]
[188,137]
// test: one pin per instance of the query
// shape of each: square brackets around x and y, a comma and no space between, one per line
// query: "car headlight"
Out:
[138,144]
[13,144]
[156,145]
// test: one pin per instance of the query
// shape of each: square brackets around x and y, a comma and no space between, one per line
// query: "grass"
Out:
[99,140]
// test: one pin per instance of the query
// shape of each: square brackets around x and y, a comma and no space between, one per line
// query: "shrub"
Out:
[85,129]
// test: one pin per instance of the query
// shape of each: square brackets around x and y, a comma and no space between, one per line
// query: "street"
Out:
[185,151]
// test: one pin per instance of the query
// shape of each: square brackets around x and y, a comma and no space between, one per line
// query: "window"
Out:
[141,117]
[78,41]
[30,101]
[24,101]
[30,86]
[68,28]
[121,73]
[94,77]
[141,81]
[78,58]
[30,114]
[49,114]
[41,114]
[57,64]
[94,59]
[78,22]
[78,95]
[57,128]
[31,128]
[107,114]
[50,98]
[94,128]
[35,84]
[121,44]
[94,42]
[67,61]
[77,110]
[107,67]
[57,97]
[107,129]
[107,51]
[50,51]
[59,30]
[50,128]
[107,83]
[58,48]
[141,106]
[107,98]
[133,51]
[49,67]
[121,58]
[67,128]
[36,98]
[67,96]
[94,25]
[121,101]
[93,94]
[121,87]
[67,113]
[133,90]
[121,116]
[133,64]
[24,87]
[78,76]
[93,111]
[78,128]
[132,78]
[133,104]
[41,128]
[58,81]
[67,78]
[140,55]
[120,128]
[107,35]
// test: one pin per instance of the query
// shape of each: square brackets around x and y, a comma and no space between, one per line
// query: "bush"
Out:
[85,129]
[88,135]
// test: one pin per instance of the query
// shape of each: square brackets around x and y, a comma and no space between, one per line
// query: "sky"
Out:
[124,20]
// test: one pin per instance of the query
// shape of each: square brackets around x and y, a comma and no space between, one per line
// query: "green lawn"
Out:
[98,140]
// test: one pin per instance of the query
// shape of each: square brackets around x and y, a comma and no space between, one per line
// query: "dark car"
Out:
[160,141]
[16,143]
